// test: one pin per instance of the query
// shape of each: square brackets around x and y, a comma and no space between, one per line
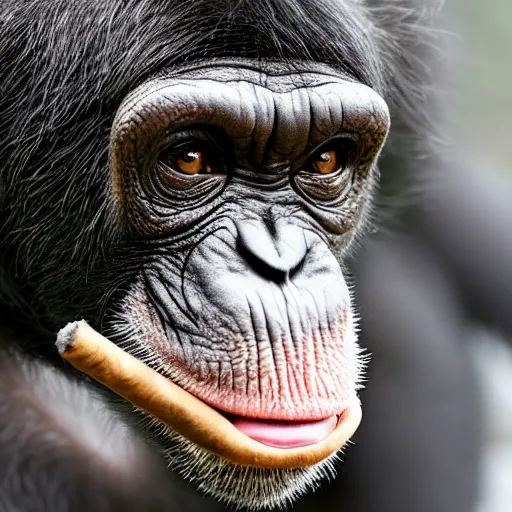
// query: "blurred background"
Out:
[484,110]
[484,85]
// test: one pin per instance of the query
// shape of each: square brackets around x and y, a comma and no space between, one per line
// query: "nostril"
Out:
[261,267]
[275,255]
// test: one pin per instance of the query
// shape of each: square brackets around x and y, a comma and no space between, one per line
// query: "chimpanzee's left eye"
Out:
[325,175]
[328,161]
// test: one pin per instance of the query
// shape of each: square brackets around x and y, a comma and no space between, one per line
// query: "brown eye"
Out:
[326,175]
[190,160]
[326,163]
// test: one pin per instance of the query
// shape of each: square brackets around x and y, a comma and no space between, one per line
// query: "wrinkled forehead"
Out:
[274,113]
[277,77]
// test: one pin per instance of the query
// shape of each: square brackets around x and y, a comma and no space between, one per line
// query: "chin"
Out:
[242,487]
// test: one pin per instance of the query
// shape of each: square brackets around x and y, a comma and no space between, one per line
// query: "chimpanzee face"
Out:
[240,186]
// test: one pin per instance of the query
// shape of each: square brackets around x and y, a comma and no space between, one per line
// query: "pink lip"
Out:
[286,434]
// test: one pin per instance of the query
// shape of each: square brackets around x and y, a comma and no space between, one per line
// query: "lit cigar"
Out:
[146,389]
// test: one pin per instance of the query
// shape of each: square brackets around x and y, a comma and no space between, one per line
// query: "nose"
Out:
[275,252]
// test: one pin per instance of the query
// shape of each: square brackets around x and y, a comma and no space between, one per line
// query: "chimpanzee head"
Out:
[188,177]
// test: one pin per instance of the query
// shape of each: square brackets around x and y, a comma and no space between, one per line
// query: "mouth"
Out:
[286,434]
[252,442]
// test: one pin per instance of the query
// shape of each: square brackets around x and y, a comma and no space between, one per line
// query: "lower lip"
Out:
[286,434]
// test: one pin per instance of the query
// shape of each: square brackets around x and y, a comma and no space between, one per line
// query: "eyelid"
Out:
[182,147]
[330,189]
[214,139]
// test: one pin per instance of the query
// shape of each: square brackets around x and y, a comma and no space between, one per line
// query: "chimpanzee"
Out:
[189,176]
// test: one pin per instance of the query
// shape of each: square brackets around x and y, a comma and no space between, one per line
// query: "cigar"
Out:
[93,354]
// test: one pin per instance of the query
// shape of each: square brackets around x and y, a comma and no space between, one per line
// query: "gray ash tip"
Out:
[65,336]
